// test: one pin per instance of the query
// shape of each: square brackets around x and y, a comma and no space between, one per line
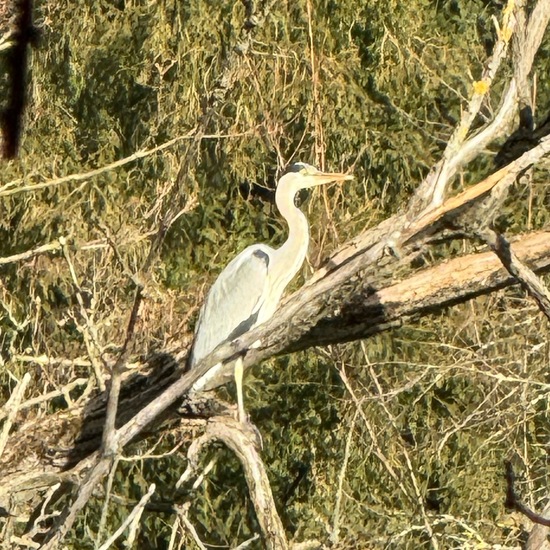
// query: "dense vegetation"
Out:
[397,441]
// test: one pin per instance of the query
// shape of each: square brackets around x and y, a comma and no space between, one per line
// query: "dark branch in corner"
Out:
[17,60]
[514,503]
[523,139]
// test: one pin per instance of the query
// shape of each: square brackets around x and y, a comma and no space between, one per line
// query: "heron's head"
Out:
[303,176]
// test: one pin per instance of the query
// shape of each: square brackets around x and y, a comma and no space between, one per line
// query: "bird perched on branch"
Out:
[248,290]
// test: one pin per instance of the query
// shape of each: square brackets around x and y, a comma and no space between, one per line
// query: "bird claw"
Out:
[248,427]
[242,417]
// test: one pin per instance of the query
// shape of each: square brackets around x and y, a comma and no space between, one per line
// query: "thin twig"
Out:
[88,331]
[134,516]
[248,542]
[109,440]
[341,478]
[44,516]
[13,406]
[174,534]
[12,189]
[106,501]
[45,360]
[182,515]
[45,397]
[56,245]
[50,247]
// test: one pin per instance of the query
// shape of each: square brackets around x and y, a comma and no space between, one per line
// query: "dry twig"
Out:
[11,408]
[131,521]
[88,330]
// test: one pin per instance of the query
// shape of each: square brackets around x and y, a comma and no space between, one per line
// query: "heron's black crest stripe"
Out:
[262,256]
[300,167]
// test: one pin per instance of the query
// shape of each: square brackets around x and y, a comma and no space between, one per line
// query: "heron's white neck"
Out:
[293,252]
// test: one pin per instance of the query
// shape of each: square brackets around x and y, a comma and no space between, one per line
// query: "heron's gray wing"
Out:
[231,307]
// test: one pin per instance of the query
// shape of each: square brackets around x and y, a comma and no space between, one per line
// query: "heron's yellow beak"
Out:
[321,178]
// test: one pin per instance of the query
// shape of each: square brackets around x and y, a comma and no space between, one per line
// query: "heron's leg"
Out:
[239,383]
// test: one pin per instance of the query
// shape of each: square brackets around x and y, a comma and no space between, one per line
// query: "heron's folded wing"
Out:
[231,307]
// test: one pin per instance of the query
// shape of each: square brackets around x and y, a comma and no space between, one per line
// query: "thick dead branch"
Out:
[533,285]
[518,45]
[398,232]
[454,152]
[334,311]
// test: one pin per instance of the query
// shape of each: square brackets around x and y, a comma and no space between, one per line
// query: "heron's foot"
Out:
[247,426]
[241,415]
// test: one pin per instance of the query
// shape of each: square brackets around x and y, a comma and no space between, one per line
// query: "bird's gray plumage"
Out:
[245,280]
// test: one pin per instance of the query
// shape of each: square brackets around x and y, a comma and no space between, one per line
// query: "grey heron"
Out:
[248,290]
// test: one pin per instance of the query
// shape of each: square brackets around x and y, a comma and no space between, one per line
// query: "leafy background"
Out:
[395,442]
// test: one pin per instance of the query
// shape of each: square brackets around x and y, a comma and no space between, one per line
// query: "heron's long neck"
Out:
[293,252]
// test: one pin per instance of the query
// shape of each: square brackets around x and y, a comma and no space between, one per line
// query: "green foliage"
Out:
[389,438]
